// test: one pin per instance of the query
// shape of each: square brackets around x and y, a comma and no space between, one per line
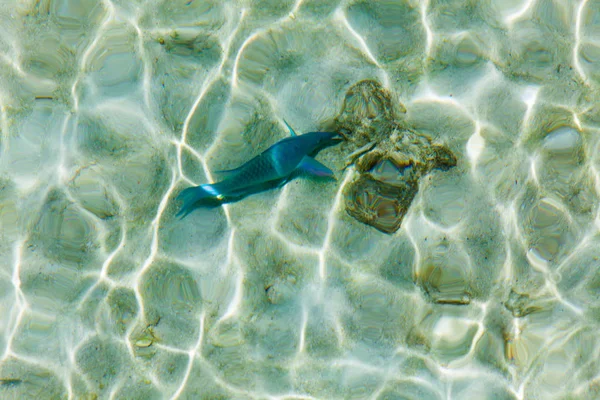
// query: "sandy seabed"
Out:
[490,290]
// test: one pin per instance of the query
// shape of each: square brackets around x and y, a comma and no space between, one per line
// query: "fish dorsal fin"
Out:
[290,128]
[313,167]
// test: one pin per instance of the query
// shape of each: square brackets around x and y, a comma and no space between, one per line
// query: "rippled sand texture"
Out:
[490,290]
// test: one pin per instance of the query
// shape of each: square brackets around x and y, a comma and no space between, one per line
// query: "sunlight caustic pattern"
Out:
[108,109]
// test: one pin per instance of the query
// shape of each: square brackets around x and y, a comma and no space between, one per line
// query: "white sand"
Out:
[490,290]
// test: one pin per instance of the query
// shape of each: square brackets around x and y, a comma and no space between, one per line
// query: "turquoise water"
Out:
[488,290]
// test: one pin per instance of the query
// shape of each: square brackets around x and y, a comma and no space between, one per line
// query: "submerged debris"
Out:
[10,382]
[144,339]
[390,157]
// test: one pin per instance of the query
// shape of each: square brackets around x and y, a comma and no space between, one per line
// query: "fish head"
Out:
[293,148]
[312,142]
[325,139]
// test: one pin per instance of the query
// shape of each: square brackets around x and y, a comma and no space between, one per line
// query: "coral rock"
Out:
[389,156]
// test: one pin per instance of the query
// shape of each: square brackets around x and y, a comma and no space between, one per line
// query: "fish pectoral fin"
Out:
[313,167]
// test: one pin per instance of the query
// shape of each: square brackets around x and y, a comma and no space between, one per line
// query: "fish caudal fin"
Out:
[192,195]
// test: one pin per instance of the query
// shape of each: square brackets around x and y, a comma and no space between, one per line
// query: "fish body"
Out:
[271,168]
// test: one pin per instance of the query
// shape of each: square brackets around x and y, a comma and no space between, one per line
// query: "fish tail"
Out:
[193,195]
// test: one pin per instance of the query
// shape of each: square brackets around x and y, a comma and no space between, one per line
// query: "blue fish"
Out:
[272,168]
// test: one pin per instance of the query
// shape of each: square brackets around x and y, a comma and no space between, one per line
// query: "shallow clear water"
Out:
[489,290]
